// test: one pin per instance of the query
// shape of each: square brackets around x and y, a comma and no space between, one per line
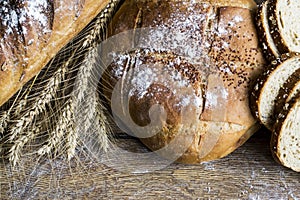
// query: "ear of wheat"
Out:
[51,94]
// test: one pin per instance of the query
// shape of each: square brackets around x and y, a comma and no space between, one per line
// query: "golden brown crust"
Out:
[31,43]
[228,35]
[240,61]
[249,4]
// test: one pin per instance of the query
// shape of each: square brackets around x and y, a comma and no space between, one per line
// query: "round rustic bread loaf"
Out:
[183,87]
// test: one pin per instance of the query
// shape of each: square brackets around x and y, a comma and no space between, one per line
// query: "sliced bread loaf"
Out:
[268,87]
[284,24]
[285,140]
[269,48]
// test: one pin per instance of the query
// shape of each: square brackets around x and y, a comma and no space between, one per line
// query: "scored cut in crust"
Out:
[267,89]
[284,24]
[285,140]
[269,48]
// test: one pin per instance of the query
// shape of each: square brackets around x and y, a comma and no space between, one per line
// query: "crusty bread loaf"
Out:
[32,32]
[285,141]
[269,48]
[206,101]
[284,24]
[267,90]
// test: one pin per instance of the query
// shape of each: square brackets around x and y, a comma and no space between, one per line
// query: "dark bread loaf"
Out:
[32,32]
[285,141]
[205,98]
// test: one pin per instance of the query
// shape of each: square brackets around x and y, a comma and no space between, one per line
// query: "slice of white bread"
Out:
[285,140]
[268,87]
[284,24]
[269,48]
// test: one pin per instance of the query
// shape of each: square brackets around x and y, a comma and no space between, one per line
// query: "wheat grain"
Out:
[21,104]
[39,104]
[85,73]
[98,28]
[16,149]
[71,131]
[64,125]
[83,97]
[102,129]
[4,117]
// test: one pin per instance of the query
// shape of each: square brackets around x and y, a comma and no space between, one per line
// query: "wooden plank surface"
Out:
[248,173]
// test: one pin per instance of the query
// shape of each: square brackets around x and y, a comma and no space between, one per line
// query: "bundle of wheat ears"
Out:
[40,118]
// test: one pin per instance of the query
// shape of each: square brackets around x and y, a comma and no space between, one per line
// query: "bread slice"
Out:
[288,91]
[268,87]
[269,48]
[284,24]
[285,140]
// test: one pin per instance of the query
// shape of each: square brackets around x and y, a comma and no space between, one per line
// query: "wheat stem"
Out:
[84,95]
[65,124]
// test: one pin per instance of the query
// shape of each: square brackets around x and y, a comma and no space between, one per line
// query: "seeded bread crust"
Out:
[229,39]
[278,131]
[269,48]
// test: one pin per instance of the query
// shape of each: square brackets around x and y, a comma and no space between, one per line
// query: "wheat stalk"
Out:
[4,117]
[39,105]
[102,127]
[83,97]
[16,149]
[101,21]
[71,131]
[64,125]
[85,74]
[23,102]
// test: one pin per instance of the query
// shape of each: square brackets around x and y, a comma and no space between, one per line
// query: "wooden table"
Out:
[248,173]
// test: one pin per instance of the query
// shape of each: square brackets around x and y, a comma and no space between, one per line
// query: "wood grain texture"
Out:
[248,173]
